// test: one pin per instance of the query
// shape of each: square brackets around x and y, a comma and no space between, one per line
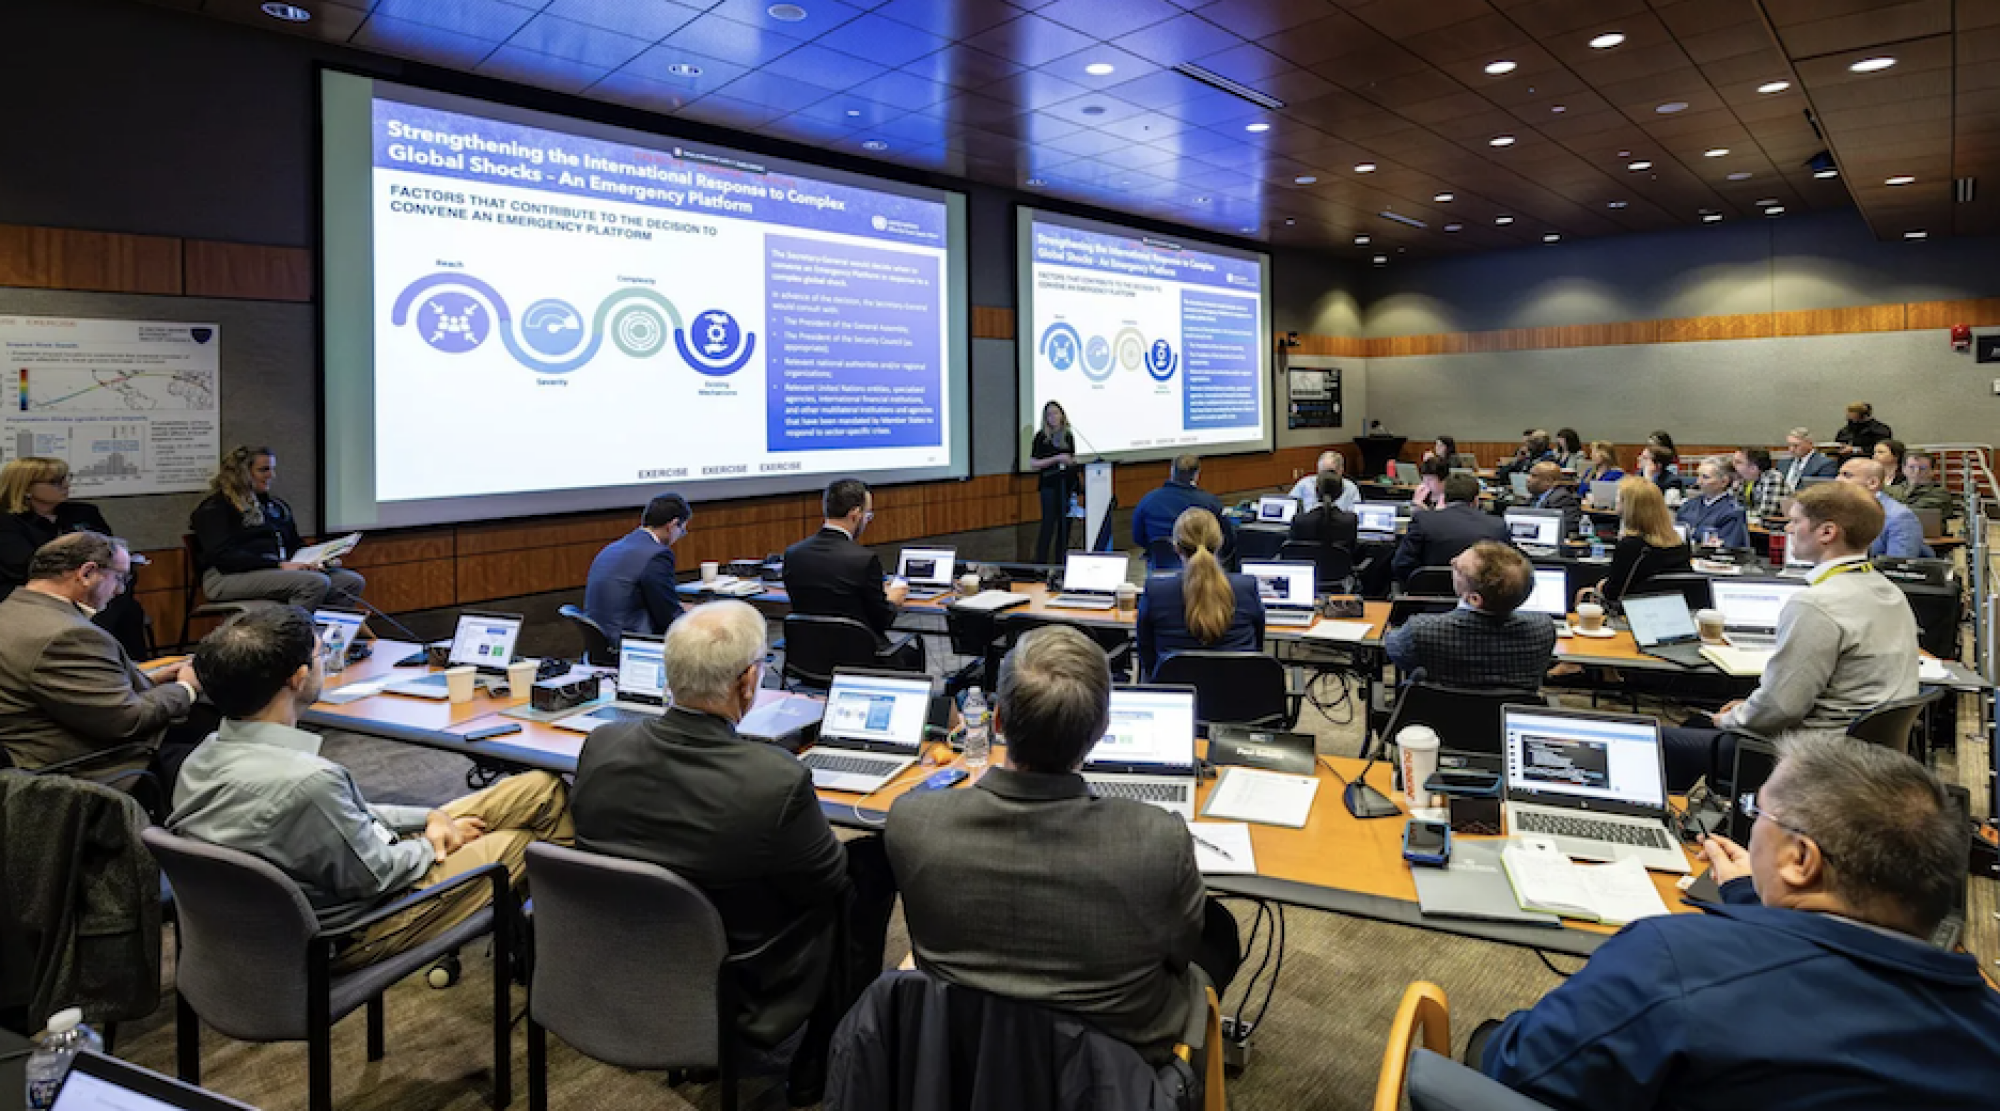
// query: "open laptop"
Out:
[1595,783]
[1407,474]
[873,728]
[1287,591]
[928,571]
[1378,520]
[1147,753]
[1602,495]
[1276,510]
[1519,481]
[642,686]
[1663,628]
[1750,608]
[346,622]
[1550,595]
[1535,529]
[1091,580]
[483,640]
[99,1083]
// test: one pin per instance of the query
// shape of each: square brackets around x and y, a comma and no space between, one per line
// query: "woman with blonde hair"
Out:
[1647,542]
[245,537]
[1601,465]
[1201,607]
[35,508]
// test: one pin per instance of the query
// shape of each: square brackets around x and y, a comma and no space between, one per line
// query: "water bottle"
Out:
[978,731]
[336,650]
[64,1039]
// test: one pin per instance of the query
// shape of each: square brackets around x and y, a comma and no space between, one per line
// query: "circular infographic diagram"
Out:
[453,322]
[1161,360]
[1097,359]
[715,344]
[552,328]
[1061,346]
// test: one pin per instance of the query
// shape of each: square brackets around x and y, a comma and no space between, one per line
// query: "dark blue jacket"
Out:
[1156,513]
[1436,536]
[1163,628]
[1726,517]
[1757,1007]
[631,586]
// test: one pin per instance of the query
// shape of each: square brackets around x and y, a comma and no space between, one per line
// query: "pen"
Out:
[1211,846]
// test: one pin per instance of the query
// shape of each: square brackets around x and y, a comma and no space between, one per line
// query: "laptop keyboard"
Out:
[1592,829]
[1139,792]
[838,764]
[1081,601]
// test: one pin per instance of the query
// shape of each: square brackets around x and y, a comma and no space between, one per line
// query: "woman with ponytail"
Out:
[245,537]
[1201,607]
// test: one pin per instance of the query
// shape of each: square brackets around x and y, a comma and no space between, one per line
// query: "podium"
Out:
[1377,452]
[1098,501]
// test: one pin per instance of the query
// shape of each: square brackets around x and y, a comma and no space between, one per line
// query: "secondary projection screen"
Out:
[1153,346]
[529,314]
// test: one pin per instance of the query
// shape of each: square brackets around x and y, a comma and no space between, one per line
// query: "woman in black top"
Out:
[1054,456]
[1647,542]
[245,538]
[35,509]
[1326,522]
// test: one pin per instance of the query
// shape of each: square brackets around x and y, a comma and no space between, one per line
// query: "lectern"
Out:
[1377,452]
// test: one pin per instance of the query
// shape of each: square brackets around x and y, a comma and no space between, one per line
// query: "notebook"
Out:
[1535,528]
[873,728]
[483,640]
[1750,608]
[1546,881]
[1663,628]
[1377,519]
[1091,580]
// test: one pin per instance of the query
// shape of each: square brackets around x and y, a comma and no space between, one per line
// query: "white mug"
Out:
[1418,746]
[710,571]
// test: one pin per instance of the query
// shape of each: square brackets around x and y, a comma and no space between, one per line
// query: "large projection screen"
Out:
[530,314]
[1153,345]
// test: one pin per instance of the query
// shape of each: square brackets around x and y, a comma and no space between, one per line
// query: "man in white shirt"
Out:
[1306,490]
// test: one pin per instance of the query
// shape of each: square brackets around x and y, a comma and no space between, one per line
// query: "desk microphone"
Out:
[1364,801]
[1096,455]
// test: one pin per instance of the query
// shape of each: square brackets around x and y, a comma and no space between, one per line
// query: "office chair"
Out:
[1116,641]
[1438,1083]
[1407,606]
[815,646]
[1691,585]
[973,633]
[1892,723]
[598,650]
[1333,565]
[191,589]
[1422,1019]
[1233,688]
[1466,720]
[1259,542]
[1433,581]
[1162,558]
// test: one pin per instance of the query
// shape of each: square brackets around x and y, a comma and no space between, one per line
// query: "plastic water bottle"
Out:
[336,650]
[65,1038]
[978,731]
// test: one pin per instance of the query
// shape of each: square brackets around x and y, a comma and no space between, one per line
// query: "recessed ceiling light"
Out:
[1767,200]
[785,13]
[1775,210]
[853,112]
[1361,241]
[1711,217]
[1607,40]
[1289,221]
[1443,198]
[1557,109]
[1900,179]
[1672,106]
[1826,173]
[1872,65]
[1503,66]
[290,13]
[1093,109]
[1916,233]
[1641,164]
[1740,175]
[1380,259]
[1036,183]
[1550,237]
[1257,127]
[1304,179]
[1769,87]
[1500,141]
[1715,152]
[1615,204]
[689,69]
[1454,227]
[1364,167]
[874,144]
[1100,69]
[1503,221]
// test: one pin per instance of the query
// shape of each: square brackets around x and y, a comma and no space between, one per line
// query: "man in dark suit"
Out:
[738,819]
[1806,460]
[1028,886]
[1482,643]
[1435,538]
[1153,518]
[829,574]
[631,583]
[1547,491]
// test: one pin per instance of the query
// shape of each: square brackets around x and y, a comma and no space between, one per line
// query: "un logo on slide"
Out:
[716,345]
[1161,360]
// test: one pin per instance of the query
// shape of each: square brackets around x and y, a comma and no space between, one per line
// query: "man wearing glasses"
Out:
[1813,984]
[830,574]
[67,688]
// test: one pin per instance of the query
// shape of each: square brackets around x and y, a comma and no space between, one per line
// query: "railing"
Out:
[1967,469]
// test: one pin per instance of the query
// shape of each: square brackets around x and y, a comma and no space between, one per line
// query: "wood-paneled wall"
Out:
[115,262]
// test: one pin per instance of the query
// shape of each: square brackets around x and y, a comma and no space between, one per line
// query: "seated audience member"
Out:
[35,508]
[1712,517]
[1535,448]
[1569,450]
[1445,448]
[1902,534]
[1482,643]
[1923,489]
[1861,432]
[67,687]
[1657,466]
[1647,543]
[1429,493]
[830,574]
[1890,455]
[1436,537]
[1155,515]
[738,819]
[1029,886]
[1761,488]
[1601,467]
[1306,491]
[631,584]
[1546,491]
[1814,981]
[260,786]
[1329,522]
[245,537]
[1806,460]
[1203,606]
[1660,437]
[1847,643]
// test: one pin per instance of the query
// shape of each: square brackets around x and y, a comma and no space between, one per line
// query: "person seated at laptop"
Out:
[1846,643]
[1657,466]
[1601,467]
[1861,433]
[1445,448]
[1902,534]
[829,574]
[1482,643]
[738,818]
[1434,538]
[1546,491]
[1535,448]
[630,588]
[1813,983]
[245,537]
[1429,493]
[1806,460]
[1568,445]
[1029,887]
[1157,513]
[1203,606]
[1923,490]
[35,508]
[1712,517]
[1306,491]
[1890,455]
[1647,543]
[1762,489]
[1328,522]
[260,786]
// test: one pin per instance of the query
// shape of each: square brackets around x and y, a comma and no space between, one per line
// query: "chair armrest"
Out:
[116,752]
[493,873]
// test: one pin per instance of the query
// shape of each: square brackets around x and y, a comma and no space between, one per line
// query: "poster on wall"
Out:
[1315,398]
[131,405]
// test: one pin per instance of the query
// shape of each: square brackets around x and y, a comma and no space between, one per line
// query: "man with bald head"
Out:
[1902,534]
[1306,490]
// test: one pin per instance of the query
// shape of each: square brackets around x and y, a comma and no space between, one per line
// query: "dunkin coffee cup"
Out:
[1418,747]
[1709,623]
[1589,616]
[1128,596]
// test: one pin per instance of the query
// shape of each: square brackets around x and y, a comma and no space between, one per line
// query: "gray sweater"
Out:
[1845,645]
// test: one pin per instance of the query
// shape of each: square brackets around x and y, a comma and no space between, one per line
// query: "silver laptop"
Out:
[872,730]
[1663,628]
[1750,609]
[1287,591]
[1274,510]
[642,686]
[1602,495]
[483,640]
[1594,783]
[1147,753]
[99,1083]
[1538,530]
[1091,580]
[1378,519]
[928,571]
[1406,474]
[1550,596]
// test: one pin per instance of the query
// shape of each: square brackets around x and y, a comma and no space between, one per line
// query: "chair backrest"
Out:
[1690,585]
[1111,638]
[1466,720]
[1438,1083]
[1891,723]
[1940,612]
[1333,565]
[1422,1019]
[1162,556]
[628,960]
[1230,688]
[1410,605]
[1932,521]
[190,573]
[971,630]
[815,646]
[598,650]
[242,931]
[1259,541]
[1430,580]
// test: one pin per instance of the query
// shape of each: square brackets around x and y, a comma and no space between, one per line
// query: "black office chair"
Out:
[1466,720]
[1891,723]
[974,633]
[1162,558]
[1688,584]
[1434,581]
[1333,565]
[1940,612]
[1410,605]
[1115,640]
[1233,688]
[191,590]
[598,650]
[1259,542]
[815,646]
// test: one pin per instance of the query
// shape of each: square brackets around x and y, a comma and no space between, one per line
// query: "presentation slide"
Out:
[530,314]
[1153,346]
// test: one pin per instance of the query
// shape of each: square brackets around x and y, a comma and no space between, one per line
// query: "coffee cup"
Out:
[1128,596]
[968,584]
[459,683]
[521,678]
[1709,623]
[1589,616]
[1417,746]
[710,571]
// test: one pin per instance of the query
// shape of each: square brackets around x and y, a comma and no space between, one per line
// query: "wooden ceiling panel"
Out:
[1821,28]
[1545,19]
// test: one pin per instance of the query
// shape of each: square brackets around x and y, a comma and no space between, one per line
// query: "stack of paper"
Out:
[1736,661]
[327,551]
[1347,632]
[1223,849]
[1546,880]
[1243,795]
[991,600]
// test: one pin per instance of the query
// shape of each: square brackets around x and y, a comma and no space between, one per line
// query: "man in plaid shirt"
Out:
[1763,488]
[1482,643]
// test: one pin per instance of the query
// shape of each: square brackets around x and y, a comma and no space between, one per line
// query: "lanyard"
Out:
[1842,569]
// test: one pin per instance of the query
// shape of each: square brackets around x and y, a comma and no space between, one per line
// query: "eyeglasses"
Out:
[1752,809]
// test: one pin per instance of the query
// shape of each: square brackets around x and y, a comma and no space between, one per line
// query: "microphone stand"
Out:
[1363,801]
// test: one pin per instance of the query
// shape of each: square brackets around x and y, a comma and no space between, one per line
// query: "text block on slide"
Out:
[1219,335]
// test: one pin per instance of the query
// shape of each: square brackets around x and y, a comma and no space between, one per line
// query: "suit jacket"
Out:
[21,533]
[1435,538]
[1725,516]
[1902,534]
[68,689]
[1816,465]
[1163,628]
[631,586]
[1027,886]
[828,574]
[1561,498]
[1156,513]
[1471,648]
[738,819]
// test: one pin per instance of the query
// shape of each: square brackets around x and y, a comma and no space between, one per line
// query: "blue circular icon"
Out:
[453,322]
[552,327]
[1160,360]
[1097,359]
[714,344]
[1061,346]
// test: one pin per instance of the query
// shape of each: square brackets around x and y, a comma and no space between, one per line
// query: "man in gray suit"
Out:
[1027,886]
[67,689]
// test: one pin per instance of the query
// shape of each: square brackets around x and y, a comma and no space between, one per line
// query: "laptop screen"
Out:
[1282,584]
[1553,757]
[931,566]
[1658,618]
[642,667]
[878,709]
[485,639]
[1279,510]
[1148,726]
[1751,605]
[1545,530]
[349,624]
[1376,516]
[1551,593]
[1097,573]
[98,1083]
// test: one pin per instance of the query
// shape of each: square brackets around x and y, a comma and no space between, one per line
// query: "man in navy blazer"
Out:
[830,574]
[630,588]
[1814,985]
[1436,536]
[1153,518]
[1807,461]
